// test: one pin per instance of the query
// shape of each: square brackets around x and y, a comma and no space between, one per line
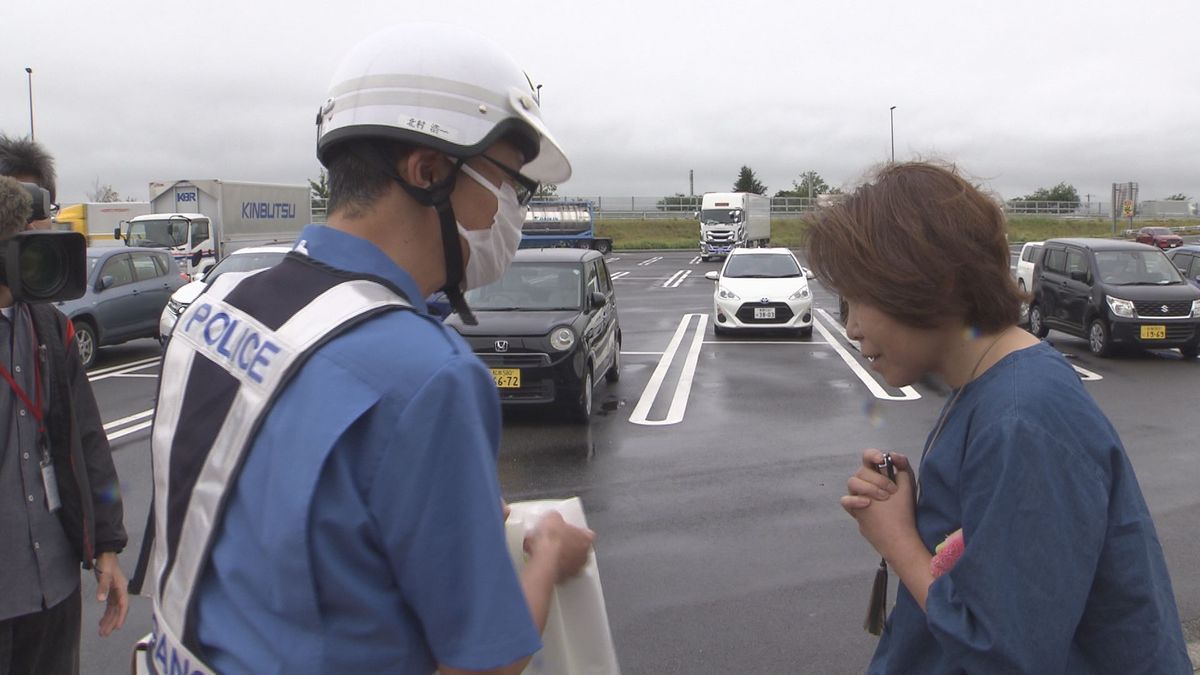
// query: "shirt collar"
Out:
[354,254]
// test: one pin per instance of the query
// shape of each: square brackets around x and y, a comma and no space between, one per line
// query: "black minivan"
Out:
[548,330]
[1114,292]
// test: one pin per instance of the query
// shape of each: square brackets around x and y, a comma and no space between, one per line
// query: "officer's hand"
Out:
[560,543]
[113,588]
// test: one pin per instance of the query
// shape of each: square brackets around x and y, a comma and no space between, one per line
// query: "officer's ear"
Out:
[422,167]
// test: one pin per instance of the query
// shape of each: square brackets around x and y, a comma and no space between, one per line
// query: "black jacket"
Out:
[92,513]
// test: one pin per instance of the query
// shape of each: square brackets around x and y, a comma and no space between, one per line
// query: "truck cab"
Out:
[188,237]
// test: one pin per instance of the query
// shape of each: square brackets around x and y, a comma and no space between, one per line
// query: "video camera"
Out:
[42,265]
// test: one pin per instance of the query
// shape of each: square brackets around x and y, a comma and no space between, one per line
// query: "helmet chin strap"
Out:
[437,195]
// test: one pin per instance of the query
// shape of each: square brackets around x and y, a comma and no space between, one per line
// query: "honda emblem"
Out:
[501,345]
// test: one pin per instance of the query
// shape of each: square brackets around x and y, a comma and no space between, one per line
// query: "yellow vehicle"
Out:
[96,220]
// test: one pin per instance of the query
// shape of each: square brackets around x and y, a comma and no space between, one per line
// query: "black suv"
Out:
[548,329]
[1114,292]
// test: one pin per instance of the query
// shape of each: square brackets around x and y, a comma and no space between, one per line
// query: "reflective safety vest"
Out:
[231,354]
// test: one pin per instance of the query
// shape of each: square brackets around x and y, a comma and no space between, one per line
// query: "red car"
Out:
[1161,237]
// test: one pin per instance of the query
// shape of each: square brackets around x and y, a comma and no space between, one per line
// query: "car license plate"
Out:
[764,312]
[1154,332]
[507,378]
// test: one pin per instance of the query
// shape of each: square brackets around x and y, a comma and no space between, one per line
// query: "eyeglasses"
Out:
[525,187]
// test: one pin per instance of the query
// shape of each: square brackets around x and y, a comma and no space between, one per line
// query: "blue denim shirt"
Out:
[1063,571]
[364,534]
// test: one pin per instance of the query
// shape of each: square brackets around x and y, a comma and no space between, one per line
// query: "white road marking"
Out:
[813,343]
[612,259]
[642,353]
[618,275]
[651,261]
[126,420]
[906,393]
[1087,375]
[123,368]
[135,375]
[129,430]
[683,388]
[677,279]
[694,261]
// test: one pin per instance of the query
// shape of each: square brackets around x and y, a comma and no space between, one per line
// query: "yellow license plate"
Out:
[1154,332]
[507,378]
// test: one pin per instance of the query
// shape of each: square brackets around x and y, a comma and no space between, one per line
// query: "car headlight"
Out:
[176,307]
[727,294]
[1125,307]
[1195,308]
[562,339]
[800,294]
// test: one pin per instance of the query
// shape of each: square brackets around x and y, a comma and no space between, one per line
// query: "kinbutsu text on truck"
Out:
[730,220]
[202,221]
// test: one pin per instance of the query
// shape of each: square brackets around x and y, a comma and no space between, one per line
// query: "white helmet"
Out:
[442,87]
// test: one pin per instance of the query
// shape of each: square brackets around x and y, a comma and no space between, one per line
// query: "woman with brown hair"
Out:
[1060,569]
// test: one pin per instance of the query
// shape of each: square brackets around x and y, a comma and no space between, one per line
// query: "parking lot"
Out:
[711,472]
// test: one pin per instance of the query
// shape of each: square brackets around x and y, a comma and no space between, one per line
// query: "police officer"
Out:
[357,527]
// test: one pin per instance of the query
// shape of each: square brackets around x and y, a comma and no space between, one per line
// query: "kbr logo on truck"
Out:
[252,210]
[187,196]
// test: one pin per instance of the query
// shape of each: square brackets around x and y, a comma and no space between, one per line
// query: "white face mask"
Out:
[492,250]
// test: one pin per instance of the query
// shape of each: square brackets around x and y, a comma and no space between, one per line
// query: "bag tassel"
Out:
[877,608]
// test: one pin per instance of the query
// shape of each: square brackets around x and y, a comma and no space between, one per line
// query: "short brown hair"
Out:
[15,207]
[25,158]
[922,244]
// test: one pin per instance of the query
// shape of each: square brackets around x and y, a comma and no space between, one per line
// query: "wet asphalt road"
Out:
[722,547]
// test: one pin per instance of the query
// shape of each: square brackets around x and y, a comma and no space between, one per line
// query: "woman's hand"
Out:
[885,511]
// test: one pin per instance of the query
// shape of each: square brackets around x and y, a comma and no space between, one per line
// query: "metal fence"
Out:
[682,206]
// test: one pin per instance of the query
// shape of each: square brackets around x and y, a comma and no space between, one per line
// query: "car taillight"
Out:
[184,276]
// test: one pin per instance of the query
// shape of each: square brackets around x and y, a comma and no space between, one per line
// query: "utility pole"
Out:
[691,182]
[892,125]
[29,75]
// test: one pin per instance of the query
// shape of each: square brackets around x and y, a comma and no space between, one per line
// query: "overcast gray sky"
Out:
[1021,94]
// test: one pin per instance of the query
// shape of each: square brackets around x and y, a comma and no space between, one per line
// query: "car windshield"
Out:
[531,286]
[245,262]
[721,215]
[1136,268]
[92,260]
[1158,230]
[761,266]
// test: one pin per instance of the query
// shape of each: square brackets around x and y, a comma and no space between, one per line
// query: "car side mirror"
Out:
[104,282]
[808,274]
[198,276]
[598,299]
[712,276]
[117,233]
[1079,275]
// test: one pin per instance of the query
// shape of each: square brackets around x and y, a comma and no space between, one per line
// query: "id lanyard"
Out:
[34,406]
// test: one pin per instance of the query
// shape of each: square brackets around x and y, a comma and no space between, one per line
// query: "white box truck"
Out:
[97,220]
[202,221]
[730,220]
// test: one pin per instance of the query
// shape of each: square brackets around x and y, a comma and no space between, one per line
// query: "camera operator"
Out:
[60,503]
[26,160]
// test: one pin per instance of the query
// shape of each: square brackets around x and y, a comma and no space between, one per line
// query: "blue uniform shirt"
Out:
[1063,571]
[364,534]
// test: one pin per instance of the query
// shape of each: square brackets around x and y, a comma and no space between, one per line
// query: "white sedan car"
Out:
[762,288]
[241,260]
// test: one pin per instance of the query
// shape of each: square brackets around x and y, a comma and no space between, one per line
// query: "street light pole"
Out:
[29,74]
[539,95]
[892,125]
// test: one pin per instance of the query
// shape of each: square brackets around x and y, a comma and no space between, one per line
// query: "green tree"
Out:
[748,182]
[810,185]
[320,187]
[1177,197]
[1063,192]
